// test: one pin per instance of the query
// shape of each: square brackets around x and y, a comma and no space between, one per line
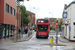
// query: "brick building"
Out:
[52,22]
[32,19]
[8,17]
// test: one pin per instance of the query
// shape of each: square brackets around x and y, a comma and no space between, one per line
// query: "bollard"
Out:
[50,40]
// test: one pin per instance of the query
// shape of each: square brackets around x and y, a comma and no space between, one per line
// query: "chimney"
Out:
[65,6]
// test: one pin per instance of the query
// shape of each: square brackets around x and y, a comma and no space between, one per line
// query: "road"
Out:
[34,44]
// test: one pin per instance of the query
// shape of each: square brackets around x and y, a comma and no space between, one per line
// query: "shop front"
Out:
[6,30]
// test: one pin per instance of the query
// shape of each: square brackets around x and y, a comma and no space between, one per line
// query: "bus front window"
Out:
[42,28]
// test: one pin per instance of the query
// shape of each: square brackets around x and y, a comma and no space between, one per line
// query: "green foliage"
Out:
[60,23]
[52,19]
[24,16]
[54,24]
[26,20]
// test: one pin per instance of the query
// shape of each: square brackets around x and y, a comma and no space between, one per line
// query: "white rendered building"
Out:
[69,21]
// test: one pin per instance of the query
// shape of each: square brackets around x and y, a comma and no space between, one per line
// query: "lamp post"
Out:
[52,18]
[17,17]
[52,14]
[18,4]
[22,21]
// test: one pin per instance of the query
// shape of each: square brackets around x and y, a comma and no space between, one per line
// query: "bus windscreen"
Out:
[42,28]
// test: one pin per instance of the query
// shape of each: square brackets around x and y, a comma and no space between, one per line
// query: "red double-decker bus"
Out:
[42,28]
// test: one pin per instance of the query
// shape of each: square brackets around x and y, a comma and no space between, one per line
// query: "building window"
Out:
[14,12]
[7,8]
[10,10]
[64,14]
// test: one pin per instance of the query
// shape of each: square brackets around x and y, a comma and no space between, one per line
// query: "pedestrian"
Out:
[26,30]
[19,31]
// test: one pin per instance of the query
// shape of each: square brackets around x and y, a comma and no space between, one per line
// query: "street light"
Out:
[52,14]
[17,16]
[22,21]
[52,17]
[18,4]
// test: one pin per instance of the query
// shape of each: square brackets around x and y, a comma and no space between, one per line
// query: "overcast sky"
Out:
[46,8]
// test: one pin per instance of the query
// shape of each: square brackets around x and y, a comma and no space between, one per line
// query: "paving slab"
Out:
[22,37]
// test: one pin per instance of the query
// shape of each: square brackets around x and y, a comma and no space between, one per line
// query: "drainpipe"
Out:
[69,31]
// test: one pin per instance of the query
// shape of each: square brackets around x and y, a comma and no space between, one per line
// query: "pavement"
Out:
[14,39]
[62,41]
[65,41]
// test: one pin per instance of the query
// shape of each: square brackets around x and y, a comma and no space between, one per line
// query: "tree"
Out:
[60,23]
[24,16]
[26,21]
[54,24]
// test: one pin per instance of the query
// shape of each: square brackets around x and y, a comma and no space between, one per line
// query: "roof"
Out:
[70,5]
[30,12]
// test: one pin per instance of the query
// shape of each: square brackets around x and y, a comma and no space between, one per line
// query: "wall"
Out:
[72,21]
[19,18]
[10,18]
[1,10]
[33,17]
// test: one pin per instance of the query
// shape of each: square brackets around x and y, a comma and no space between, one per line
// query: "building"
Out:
[68,27]
[8,18]
[52,22]
[32,19]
